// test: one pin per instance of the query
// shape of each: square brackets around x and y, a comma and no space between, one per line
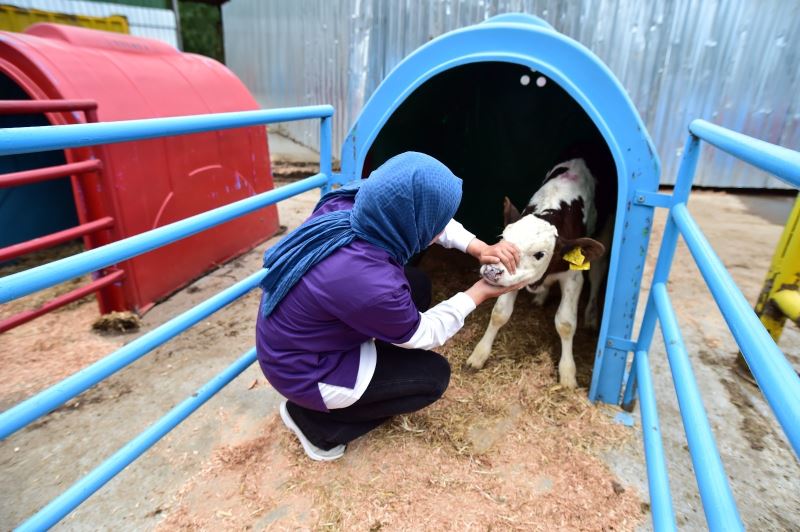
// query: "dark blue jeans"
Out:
[405,380]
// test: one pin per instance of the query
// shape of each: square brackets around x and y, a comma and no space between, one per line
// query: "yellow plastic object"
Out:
[14,18]
[779,297]
[576,260]
[789,303]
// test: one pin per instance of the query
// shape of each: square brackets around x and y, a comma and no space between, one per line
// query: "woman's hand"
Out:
[504,252]
[481,291]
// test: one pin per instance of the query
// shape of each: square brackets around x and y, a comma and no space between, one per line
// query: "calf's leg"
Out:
[500,314]
[566,322]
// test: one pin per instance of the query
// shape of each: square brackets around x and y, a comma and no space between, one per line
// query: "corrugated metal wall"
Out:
[143,21]
[734,62]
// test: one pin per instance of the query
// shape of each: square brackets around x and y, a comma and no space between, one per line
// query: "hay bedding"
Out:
[505,449]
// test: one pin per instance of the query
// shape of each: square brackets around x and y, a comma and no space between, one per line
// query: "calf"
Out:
[549,232]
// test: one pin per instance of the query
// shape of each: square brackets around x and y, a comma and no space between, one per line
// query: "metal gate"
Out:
[778,381]
[87,164]
[775,376]
[37,139]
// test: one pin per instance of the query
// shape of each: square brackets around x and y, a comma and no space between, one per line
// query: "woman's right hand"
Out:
[481,291]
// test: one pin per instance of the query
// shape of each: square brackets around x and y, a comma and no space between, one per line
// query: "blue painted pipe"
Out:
[778,381]
[781,162]
[669,241]
[44,138]
[28,140]
[45,402]
[58,508]
[630,386]
[29,281]
[712,482]
[325,151]
[657,477]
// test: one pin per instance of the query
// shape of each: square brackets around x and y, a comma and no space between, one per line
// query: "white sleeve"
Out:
[439,324]
[455,236]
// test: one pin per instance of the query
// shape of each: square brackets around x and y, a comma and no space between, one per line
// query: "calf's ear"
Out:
[591,248]
[510,213]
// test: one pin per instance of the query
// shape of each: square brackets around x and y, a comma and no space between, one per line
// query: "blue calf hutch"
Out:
[497,102]
[505,49]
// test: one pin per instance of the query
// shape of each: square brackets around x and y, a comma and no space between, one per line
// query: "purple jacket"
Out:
[314,335]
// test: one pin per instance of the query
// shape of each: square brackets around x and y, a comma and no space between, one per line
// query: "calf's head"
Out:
[541,247]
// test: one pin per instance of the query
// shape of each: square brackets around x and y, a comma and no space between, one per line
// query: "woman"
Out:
[344,330]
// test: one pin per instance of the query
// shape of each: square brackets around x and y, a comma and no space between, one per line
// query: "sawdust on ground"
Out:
[52,347]
[506,448]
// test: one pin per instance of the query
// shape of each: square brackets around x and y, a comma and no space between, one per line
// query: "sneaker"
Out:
[313,452]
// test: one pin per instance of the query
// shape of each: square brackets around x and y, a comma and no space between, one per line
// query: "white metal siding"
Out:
[733,62]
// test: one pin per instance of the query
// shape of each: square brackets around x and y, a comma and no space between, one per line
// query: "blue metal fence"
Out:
[26,140]
[778,381]
[774,374]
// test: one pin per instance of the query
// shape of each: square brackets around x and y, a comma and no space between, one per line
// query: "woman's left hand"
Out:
[504,252]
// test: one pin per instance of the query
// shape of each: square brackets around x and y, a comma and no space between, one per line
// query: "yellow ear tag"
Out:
[576,260]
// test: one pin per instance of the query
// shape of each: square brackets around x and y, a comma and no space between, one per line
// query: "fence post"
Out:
[683,186]
[325,163]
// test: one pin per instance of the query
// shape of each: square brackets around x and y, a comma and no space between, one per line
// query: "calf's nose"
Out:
[492,273]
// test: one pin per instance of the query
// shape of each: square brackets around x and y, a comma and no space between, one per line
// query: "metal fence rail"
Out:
[33,139]
[29,281]
[775,376]
[62,505]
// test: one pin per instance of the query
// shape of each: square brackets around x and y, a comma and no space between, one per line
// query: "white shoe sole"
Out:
[313,452]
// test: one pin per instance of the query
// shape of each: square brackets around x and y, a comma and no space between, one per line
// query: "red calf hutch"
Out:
[138,186]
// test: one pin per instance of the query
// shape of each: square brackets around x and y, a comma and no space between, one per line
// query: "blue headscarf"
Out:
[401,207]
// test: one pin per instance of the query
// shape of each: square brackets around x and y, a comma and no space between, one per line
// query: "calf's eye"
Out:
[538,255]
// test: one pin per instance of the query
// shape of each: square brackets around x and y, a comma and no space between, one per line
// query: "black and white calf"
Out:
[560,217]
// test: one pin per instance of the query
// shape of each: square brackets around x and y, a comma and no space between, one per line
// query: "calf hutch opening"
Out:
[501,103]
[501,127]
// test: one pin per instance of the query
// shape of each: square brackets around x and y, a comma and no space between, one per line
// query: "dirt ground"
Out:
[505,449]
